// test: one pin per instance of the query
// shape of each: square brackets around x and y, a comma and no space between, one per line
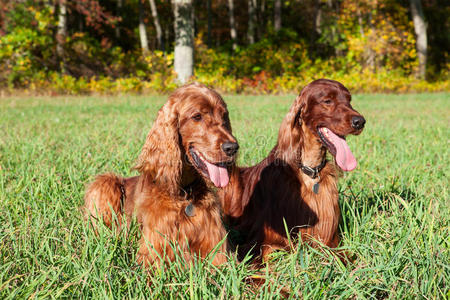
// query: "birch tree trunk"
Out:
[277,15]
[420,27]
[233,31]
[61,32]
[251,22]
[142,32]
[157,24]
[318,17]
[184,39]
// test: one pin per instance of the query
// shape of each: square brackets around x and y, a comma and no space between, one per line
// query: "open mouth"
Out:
[217,172]
[339,148]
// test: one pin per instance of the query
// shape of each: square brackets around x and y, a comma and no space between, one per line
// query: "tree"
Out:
[184,39]
[277,15]
[157,24]
[233,32]
[251,21]
[259,12]
[318,17]
[142,32]
[61,33]
[420,27]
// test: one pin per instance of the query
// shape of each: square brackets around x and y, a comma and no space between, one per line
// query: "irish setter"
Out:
[296,184]
[189,148]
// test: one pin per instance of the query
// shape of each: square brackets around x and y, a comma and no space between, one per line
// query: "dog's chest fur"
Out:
[324,204]
[165,220]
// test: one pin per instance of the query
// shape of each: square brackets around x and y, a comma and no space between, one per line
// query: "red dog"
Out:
[296,183]
[189,147]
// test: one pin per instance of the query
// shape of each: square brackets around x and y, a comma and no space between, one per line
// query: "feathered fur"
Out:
[259,199]
[170,180]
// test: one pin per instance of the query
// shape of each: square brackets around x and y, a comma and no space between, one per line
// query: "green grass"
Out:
[395,205]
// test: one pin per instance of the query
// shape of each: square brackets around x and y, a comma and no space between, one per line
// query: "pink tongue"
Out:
[344,156]
[218,175]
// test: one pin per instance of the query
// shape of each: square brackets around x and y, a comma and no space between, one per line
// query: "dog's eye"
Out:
[197,117]
[327,101]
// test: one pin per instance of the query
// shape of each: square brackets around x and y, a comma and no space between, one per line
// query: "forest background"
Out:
[394,206]
[235,46]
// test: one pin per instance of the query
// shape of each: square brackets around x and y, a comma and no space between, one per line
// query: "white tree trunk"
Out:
[318,17]
[251,22]
[233,31]
[142,32]
[277,15]
[156,23]
[61,32]
[420,27]
[184,39]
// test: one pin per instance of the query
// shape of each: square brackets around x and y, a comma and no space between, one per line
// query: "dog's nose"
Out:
[230,148]
[358,122]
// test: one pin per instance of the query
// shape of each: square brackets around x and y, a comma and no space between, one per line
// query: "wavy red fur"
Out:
[259,199]
[194,120]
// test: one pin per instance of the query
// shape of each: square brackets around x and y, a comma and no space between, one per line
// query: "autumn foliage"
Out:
[367,44]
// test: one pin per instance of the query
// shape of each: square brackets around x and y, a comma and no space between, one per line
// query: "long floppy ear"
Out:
[290,129]
[161,154]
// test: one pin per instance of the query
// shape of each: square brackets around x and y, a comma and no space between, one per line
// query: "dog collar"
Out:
[313,172]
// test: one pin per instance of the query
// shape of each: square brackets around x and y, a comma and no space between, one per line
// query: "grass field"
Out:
[395,205]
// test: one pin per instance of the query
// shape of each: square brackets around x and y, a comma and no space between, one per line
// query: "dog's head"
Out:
[323,109]
[191,135]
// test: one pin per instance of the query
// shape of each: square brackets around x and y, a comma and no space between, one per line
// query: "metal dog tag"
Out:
[189,210]
[316,188]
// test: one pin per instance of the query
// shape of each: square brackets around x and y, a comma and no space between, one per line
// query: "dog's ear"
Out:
[289,134]
[294,117]
[161,153]
[233,196]
[297,109]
